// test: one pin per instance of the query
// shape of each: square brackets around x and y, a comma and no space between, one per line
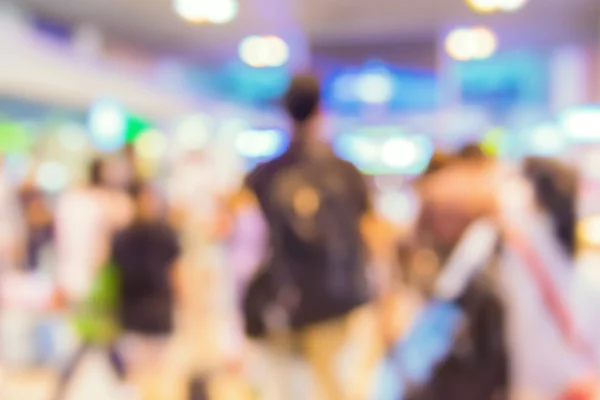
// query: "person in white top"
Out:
[86,218]
[12,229]
[539,204]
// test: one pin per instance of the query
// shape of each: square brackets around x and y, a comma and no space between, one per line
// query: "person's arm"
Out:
[249,237]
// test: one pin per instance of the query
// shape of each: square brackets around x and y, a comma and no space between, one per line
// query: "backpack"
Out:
[316,248]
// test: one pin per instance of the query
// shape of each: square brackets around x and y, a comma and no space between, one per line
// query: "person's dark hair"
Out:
[438,162]
[96,171]
[302,98]
[471,151]
[135,189]
[556,190]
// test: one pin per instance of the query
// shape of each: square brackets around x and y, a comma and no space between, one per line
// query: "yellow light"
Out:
[460,44]
[492,6]
[589,231]
[485,43]
[264,51]
[483,6]
[151,145]
[465,44]
[202,11]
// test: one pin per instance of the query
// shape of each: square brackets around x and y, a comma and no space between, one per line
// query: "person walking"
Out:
[145,255]
[312,205]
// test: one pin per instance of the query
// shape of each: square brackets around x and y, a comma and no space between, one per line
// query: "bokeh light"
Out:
[547,140]
[483,6]
[151,145]
[264,51]
[589,231]
[512,5]
[108,125]
[260,143]
[374,88]
[192,133]
[581,124]
[465,44]
[202,11]
[492,6]
[71,137]
[400,153]
[52,176]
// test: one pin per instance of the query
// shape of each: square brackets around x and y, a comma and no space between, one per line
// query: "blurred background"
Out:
[171,77]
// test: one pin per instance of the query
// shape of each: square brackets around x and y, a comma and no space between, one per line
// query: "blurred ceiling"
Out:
[152,24]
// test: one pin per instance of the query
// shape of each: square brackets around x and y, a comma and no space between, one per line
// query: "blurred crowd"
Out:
[293,283]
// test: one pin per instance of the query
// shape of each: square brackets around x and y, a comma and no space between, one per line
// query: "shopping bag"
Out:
[96,318]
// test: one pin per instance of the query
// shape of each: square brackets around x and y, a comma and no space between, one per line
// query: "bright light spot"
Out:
[108,125]
[151,145]
[591,164]
[466,44]
[365,150]
[492,6]
[221,11]
[193,133]
[547,140]
[264,51]
[485,41]
[259,143]
[72,137]
[374,88]
[52,176]
[396,207]
[590,230]
[400,153]
[201,11]
[511,5]
[582,124]
[483,6]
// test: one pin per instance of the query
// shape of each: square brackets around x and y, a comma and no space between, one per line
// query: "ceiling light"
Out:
[264,51]
[465,44]
[201,11]
[492,6]
[485,43]
[221,11]
[511,5]
[483,6]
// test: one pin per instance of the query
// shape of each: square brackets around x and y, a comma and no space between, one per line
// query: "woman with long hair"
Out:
[537,210]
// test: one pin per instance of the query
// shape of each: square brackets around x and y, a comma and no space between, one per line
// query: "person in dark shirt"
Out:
[313,205]
[146,254]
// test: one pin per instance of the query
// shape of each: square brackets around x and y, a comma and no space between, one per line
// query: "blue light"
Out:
[108,125]
[385,151]
[261,143]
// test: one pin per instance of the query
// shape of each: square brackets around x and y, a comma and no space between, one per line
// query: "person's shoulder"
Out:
[264,172]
